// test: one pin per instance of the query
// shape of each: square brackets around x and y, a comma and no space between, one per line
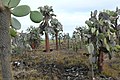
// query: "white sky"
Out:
[70,13]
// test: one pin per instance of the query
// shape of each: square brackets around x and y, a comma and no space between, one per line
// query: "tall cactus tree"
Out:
[74,41]
[34,37]
[47,13]
[57,27]
[68,40]
[80,31]
[101,38]
[8,7]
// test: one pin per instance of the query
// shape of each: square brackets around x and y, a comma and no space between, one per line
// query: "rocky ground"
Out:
[60,65]
[56,65]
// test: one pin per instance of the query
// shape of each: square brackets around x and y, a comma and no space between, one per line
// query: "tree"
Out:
[8,7]
[57,27]
[100,37]
[34,37]
[47,13]
[75,37]
[80,31]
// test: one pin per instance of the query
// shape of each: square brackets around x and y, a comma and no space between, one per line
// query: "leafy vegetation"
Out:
[101,37]
[82,56]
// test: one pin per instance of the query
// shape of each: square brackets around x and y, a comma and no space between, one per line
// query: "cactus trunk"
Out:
[47,46]
[5,44]
[56,38]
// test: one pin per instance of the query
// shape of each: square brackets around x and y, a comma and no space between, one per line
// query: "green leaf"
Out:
[112,30]
[107,47]
[106,44]
[101,21]
[108,33]
[105,41]
[118,47]
[13,3]
[115,49]
[5,2]
[88,23]
[15,23]
[13,33]
[54,21]
[93,19]
[90,48]
[20,11]
[101,36]
[59,27]
[97,32]
[49,30]
[36,16]
[95,12]
[93,30]
[103,15]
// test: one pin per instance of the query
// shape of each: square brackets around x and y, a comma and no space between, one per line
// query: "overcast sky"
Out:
[70,13]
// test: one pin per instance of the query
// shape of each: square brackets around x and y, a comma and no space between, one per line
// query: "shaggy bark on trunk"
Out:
[100,61]
[5,44]
[56,38]
[47,45]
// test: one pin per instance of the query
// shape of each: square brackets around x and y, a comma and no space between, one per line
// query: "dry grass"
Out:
[62,58]
[112,67]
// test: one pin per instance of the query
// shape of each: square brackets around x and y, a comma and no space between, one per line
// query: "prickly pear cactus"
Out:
[20,11]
